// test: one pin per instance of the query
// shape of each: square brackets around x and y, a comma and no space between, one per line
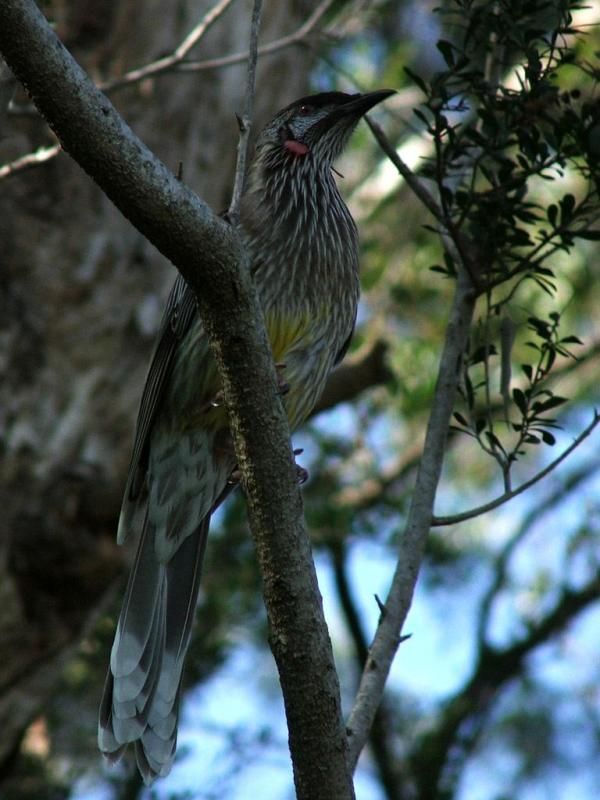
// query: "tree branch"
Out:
[410,178]
[380,736]
[245,122]
[546,505]
[412,545]
[170,62]
[209,255]
[432,761]
[40,156]
[297,37]
[504,498]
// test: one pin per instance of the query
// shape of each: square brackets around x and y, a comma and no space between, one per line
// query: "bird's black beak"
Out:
[358,104]
[348,113]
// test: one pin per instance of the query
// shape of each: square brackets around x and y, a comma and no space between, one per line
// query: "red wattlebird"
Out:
[303,249]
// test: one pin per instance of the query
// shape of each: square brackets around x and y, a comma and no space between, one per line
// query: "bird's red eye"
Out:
[305,110]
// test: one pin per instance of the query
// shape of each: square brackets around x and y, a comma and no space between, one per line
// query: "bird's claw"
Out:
[301,474]
[282,385]
[235,477]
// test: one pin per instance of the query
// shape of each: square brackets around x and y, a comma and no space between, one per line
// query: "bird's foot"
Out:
[282,385]
[301,474]
[235,477]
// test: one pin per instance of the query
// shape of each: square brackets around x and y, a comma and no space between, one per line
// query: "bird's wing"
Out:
[177,318]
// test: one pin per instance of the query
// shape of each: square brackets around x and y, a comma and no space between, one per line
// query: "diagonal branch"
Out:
[168,63]
[355,375]
[410,178]
[297,37]
[504,498]
[175,61]
[545,506]
[381,733]
[30,160]
[412,545]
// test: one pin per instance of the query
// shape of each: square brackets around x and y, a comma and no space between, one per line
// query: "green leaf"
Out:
[543,271]
[447,51]
[416,79]
[567,204]
[494,441]
[571,340]
[548,438]
[421,115]
[552,402]
[469,392]
[540,326]
[520,401]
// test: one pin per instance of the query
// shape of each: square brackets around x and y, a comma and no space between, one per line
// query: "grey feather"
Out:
[177,318]
[141,696]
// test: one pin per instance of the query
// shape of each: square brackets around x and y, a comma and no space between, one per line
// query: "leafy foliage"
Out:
[507,130]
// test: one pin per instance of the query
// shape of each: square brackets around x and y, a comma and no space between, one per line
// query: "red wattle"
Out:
[295,148]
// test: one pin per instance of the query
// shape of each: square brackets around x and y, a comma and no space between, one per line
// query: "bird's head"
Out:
[314,127]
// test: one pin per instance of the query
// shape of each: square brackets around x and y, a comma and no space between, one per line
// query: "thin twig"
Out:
[267,49]
[29,160]
[504,498]
[192,39]
[246,121]
[175,62]
[412,544]
[171,61]
[381,736]
[544,507]
[411,179]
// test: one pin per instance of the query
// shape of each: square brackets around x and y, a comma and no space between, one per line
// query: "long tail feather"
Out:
[141,695]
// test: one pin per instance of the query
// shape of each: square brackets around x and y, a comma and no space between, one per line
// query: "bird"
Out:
[303,253]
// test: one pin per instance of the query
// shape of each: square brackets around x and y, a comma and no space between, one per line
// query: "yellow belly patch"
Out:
[284,332]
